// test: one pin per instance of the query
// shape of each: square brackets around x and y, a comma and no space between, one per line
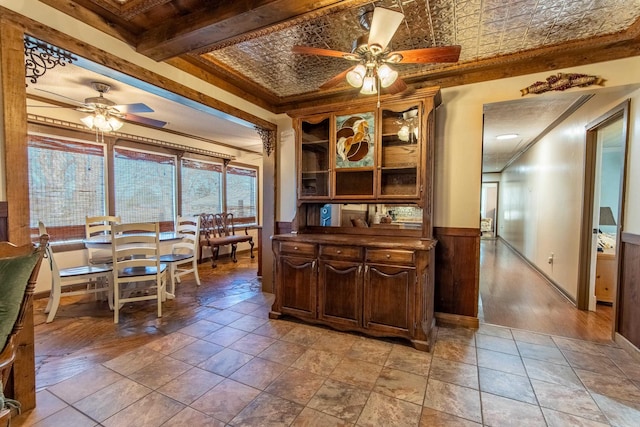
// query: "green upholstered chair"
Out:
[19,266]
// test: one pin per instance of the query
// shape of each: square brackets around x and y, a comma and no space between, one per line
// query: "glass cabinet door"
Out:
[355,155]
[314,167]
[400,152]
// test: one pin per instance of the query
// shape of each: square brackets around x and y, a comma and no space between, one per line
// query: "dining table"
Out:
[103,241]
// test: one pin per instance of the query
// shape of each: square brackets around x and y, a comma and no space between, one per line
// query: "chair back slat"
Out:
[135,251]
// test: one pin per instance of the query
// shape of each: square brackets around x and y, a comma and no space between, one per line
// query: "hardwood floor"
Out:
[513,294]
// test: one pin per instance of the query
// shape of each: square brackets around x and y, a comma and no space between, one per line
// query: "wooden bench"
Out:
[218,230]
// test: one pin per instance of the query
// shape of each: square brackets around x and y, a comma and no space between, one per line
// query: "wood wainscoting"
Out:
[457,275]
[628,298]
[4,227]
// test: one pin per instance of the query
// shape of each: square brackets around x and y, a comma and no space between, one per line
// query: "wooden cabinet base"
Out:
[380,288]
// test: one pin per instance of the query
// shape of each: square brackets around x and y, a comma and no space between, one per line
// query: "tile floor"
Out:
[238,368]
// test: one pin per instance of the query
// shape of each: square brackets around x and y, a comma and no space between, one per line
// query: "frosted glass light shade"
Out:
[114,123]
[102,123]
[369,86]
[355,77]
[88,121]
[387,75]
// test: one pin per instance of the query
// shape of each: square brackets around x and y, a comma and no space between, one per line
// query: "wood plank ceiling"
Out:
[245,47]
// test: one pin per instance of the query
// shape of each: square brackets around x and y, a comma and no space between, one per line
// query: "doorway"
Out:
[488,210]
[602,211]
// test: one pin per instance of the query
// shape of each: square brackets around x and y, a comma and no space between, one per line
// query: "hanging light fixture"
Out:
[367,76]
[102,121]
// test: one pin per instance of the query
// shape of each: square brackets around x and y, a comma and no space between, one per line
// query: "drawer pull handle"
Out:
[388,256]
[295,248]
[338,251]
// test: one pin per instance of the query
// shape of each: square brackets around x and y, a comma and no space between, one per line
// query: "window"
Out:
[144,186]
[242,184]
[201,187]
[66,183]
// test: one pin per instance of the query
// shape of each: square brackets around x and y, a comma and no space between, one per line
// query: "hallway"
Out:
[514,295]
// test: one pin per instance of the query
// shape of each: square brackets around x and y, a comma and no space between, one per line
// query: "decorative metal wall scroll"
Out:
[40,57]
[563,81]
[268,139]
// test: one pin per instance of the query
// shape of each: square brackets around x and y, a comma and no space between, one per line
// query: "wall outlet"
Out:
[550,259]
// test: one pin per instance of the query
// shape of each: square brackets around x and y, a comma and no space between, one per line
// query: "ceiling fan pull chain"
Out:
[378,82]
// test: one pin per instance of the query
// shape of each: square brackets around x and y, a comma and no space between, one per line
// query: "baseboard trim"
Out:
[457,320]
[540,272]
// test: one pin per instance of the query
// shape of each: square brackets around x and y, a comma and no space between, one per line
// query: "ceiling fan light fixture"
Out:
[369,85]
[356,76]
[102,122]
[387,75]
[114,123]
[88,121]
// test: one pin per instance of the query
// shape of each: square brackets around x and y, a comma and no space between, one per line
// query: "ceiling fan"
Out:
[105,114]
[374,55]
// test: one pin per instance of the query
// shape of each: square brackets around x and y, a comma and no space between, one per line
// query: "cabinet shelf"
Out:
[408,168]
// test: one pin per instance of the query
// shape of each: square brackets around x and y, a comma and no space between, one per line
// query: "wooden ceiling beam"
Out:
[215,24]
[90,14]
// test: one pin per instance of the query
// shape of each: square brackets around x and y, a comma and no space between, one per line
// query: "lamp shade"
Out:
[606,216]
[102,121]
[387,75]
[355,77]
[369,86]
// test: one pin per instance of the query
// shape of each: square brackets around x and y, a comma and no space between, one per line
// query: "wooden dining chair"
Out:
[138,274]
[19,267]
[77,280]
[99,225]
[183,258]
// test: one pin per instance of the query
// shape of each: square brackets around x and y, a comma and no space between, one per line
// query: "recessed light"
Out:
[507,136]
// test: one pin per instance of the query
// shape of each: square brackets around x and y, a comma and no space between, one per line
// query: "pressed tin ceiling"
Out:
[245,47]
[484,29]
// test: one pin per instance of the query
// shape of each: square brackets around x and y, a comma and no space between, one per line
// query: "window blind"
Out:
[242,193]
[144,186]
[201,187]
[66,183]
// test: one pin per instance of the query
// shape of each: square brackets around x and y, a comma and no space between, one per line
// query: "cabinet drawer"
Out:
[297,248]
[341,252]
[391,256]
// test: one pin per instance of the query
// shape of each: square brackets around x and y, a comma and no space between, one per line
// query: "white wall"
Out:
[632,193]
[542,195]
[459,137]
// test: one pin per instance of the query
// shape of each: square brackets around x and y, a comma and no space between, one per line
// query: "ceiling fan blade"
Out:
[430,55]
[307,50]
[398,86]
[337,79]
[384,24]
[62,96]
[134,108]
[144,120]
